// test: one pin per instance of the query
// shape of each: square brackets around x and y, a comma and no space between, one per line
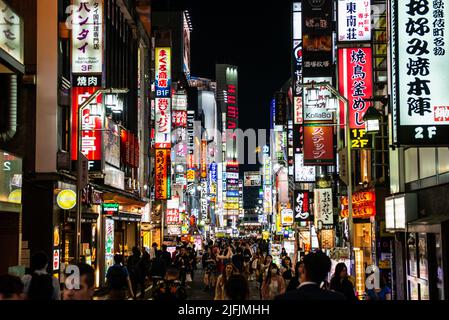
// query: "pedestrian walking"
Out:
[182,262]
[136,271]
[316,268]
[238,260]
[40,285]
[274,284]
[86,288]
[228,271]
[287,271]
[118,280]
[210,269]
[237,288]
[340,282]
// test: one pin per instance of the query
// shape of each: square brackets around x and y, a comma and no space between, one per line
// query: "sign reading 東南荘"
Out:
[354,20]
[420,83]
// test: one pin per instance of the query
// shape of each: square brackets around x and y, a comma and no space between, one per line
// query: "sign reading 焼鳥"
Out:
[355,74]
[420,81]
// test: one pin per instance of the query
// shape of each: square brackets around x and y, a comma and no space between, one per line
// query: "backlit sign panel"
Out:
[354,20]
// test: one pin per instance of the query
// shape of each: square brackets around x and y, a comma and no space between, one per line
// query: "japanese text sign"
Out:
[11,32]
[354,20]
[301,206]
[420,54]
[323,206]
[355,74]
[318,145]
[87,36]
[162,177]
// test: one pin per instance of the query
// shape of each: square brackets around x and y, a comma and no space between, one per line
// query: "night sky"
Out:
[253,35]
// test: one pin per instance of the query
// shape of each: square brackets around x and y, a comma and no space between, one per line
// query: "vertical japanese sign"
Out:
[354,20]
[162,174]
[11,32]
[323,208]
[232,115]
[303,173]
[297,53]
[355,74]
[420,51]
[317,17]
[179,119]
[281,108]
[162,101]
[109,243]
[203,159]
[190,131]
[301,207]
[87,42]
[318,145]
[91,124]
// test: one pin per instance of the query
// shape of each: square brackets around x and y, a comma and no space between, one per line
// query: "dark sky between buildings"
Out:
[254,35]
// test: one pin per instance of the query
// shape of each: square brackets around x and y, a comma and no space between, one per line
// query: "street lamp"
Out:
[372,120]
[82,181]
[312,86]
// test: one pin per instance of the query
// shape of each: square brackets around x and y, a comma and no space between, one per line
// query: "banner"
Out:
[323,208]
[162,100]
[318,145]
[92,125]
[419,63]
[301,207]
[317,17]
[355,78]
[162,174]
[354,20]
[280,99]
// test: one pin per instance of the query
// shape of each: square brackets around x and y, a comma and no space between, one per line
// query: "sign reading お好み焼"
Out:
[420,83]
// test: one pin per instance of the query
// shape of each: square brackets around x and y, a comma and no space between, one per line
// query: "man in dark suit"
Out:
[316,267]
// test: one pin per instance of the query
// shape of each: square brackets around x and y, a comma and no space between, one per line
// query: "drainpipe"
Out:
[11,129]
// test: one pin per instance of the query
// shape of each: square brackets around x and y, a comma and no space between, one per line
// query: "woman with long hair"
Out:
[228,271]
[341,283]
[274,284]
[287,271]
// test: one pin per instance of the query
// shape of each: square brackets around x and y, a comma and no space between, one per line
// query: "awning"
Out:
[431,224]
[123,199]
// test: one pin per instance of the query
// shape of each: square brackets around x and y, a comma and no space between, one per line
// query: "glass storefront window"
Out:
[412,258]
[10,178]
[422,251]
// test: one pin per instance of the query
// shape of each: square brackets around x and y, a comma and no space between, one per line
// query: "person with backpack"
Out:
[39,285]
[118,280]
[170,288]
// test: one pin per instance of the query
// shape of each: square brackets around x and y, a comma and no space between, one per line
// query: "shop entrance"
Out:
[9,240]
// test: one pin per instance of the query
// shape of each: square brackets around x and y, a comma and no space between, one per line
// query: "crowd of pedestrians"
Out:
[228,267]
